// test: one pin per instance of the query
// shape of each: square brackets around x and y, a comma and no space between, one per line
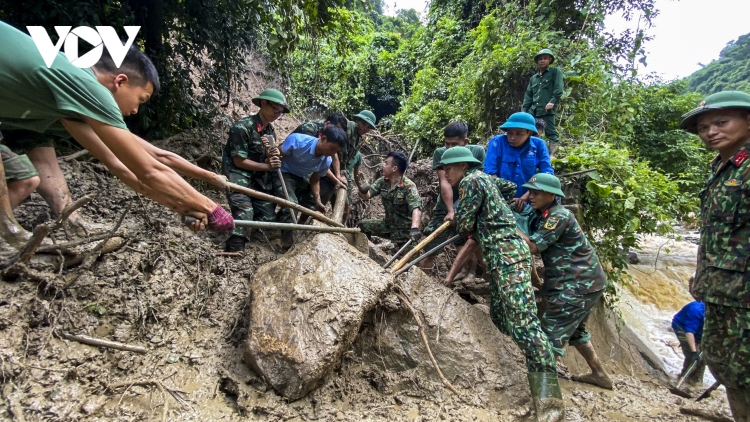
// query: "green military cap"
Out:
[546,183]
[520,120]
[718,101]
[274,96]
[545,51]
[459,155]
[368,116]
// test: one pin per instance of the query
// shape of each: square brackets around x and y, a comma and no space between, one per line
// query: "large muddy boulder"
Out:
[306,310]
[469,349]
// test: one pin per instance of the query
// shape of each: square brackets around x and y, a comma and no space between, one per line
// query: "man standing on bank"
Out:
[543,95]
[722,279]
[483,216]
[574,278]
[401,201]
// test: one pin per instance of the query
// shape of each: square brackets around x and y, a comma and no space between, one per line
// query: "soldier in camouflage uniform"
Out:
[486,219]
[455,134]
[246,161]
[403,206]
[334,177]
[574,278]
[722,279]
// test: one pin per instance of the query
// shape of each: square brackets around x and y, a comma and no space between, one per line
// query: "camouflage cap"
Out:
[459,155]
[718,101]
[545,183]
[367,116]
[545,51]
[274,96]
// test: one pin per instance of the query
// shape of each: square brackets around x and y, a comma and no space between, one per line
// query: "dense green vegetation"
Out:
[730,72]
[467,59]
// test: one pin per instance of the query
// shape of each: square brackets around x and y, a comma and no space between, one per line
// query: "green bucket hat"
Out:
[718,101]
[368,116]
[545,51]
[546,183]
[521,120]
[274,96]
[459,155]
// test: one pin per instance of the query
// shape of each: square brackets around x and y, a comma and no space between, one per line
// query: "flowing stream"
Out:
[658,289]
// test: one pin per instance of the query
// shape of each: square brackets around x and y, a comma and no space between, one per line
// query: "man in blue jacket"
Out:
[688,327]
[518,155]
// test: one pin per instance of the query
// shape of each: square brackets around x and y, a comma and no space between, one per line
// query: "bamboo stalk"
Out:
[289,226]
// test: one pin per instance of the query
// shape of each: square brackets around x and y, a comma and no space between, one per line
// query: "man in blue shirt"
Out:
[517,156]
[688,326]
[304,160]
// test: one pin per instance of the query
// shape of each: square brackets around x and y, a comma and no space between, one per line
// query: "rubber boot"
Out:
[553,149]
[287,239]
[235,244]
[739,403]
[545,391]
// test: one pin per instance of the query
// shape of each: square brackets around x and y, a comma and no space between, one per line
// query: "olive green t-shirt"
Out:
[35,97]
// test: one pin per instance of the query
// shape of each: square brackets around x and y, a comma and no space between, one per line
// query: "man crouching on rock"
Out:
[89,105]
[304,160]
[574,278]
[483,216]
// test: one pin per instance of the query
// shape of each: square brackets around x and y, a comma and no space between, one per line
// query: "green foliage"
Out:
[622,200]
[731,72]
[182,36]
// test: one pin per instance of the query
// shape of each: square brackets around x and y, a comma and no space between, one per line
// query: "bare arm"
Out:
[336,167]
[250,165]
[181,165]
[446,193]
[416,217]
[155,180]
[690,337]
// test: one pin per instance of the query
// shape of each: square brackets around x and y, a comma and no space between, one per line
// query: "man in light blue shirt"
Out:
[518,155]
[304,160]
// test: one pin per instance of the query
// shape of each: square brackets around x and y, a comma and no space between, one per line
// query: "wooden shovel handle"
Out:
[420,246]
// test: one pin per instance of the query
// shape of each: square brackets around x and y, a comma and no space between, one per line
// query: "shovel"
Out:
[426,254]
[403,248]
[676,389]
[420,246]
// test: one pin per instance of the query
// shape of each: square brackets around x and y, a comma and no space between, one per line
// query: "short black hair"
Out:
[456,129]
[400,159]
[540,124]
[337,119]
[136,66]
[334,134]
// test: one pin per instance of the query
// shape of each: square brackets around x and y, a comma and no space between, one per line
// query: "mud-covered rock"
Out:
[306,310]
[469,349]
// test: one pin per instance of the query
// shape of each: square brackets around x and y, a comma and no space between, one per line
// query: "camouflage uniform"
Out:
[399,203]
[311,128]
[299,193]
[440,210]
[722,278]
[483,215]
[244,142]
[574,278]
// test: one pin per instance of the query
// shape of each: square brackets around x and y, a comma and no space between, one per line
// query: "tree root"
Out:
[177,395]
[405,300]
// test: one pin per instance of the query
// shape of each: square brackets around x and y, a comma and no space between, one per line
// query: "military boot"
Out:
[287,239]
[545,391]
[235,244]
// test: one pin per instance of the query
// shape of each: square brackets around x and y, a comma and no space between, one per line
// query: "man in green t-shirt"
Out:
[89,104]
[455,134]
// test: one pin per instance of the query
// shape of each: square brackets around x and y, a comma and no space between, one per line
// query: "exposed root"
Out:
[177,395]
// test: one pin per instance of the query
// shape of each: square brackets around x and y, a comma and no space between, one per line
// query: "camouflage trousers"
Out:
[726,344]
[513,311]
[328,189]
[437,220]
[379,227]
[299,193]
[564,319]
[697,376]
[244,207]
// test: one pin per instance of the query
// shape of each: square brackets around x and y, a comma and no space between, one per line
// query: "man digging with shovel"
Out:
[486,219]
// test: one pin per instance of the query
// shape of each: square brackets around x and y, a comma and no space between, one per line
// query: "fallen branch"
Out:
[576,173]
[176,394]
[402,297]
[91,341]
[75,155]
[94,254]
[67,245]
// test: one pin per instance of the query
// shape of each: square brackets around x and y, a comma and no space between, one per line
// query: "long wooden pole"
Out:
[288,226]
[271,142]
[283,202]
[420,246]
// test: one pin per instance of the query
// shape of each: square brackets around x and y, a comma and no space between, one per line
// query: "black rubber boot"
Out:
[548,401]
[287,239]
[235,244]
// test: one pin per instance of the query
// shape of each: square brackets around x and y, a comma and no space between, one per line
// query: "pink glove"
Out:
[220,220]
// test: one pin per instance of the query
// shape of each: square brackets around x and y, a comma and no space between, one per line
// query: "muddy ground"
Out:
[166,290]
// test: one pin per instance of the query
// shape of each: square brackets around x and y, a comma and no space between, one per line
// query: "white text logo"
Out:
[102,36]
